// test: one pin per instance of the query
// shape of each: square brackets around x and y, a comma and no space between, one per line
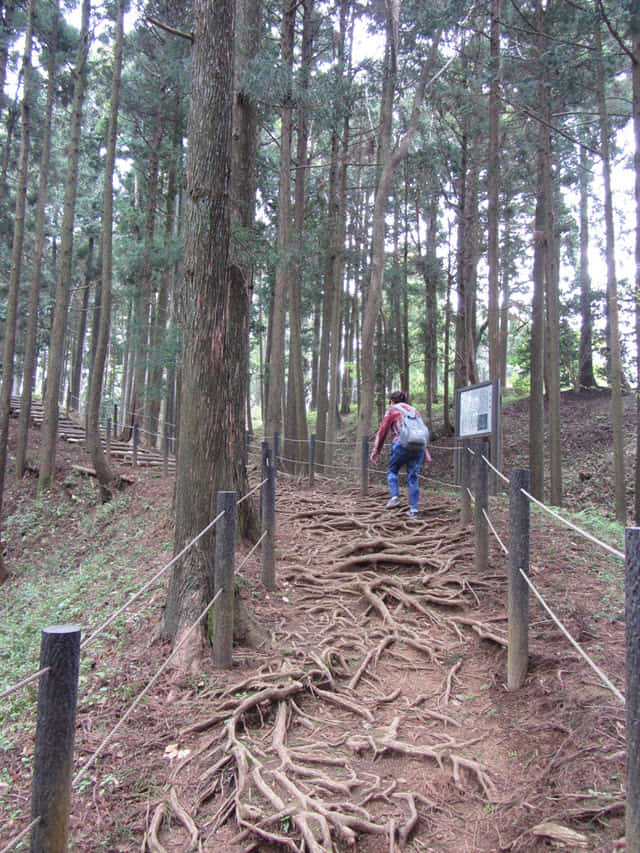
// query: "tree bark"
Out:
[73,401]
[586,379]
[16,258]
[494,194]
[94,442]
[141,325]
[338,267]
[635,70]
[327,304]
[552,341]
[612,295]
[59,325]
[243,201]
[295,444]
[273,420]
[537,345]
[38,248]
[208,432]
[6,22]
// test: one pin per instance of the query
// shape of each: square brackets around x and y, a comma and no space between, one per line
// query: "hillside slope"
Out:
[434,685]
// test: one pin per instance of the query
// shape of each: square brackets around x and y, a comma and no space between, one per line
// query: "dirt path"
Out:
[377,714]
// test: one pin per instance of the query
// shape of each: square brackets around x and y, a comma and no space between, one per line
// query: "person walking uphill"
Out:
[409,439]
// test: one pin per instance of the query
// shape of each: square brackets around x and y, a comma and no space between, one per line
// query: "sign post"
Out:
[478,416]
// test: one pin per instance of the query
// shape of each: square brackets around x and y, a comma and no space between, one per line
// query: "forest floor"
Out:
[374,716]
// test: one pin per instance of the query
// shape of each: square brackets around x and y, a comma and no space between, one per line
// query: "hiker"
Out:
[401,455]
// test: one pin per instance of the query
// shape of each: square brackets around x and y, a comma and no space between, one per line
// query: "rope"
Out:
[577,529]
[248,495]
[133,598]
[495,532]
[141,695]
[252,551]
[146,586]
[573,642]
[24,682]
[495,470]
[24,832]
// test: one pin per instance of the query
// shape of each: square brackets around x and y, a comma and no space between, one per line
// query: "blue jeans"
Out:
[401,456]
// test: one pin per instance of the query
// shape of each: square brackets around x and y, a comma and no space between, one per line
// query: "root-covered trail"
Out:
[376,716]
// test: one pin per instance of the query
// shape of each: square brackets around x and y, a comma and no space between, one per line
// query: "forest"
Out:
[264,216]
[227,220]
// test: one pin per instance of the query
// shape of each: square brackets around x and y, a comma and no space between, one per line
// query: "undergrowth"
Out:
[80,562]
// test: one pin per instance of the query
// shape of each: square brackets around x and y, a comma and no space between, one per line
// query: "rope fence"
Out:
[524,492]
[59,671]
[520,586]
[519,583]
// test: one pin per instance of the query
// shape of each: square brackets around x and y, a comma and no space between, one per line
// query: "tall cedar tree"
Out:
[16,257]
[61,307]
[98,457]
[209,422]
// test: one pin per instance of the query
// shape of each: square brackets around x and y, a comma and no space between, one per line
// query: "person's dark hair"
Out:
[398,397]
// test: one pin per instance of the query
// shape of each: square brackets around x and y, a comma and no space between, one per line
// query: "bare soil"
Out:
[374,716]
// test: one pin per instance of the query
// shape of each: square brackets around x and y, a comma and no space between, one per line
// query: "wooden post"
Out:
[482,505]
[115,420]
[632,618]
[224,579]
[312,458]
[55,732]
[136,438]
[108,440]
[365,466]
[268,503]
[466,469]
[276,449]
[165,454]
[518,597]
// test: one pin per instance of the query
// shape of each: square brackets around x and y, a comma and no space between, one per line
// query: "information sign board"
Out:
[475,410]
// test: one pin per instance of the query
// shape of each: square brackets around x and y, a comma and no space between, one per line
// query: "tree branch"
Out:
[172,30]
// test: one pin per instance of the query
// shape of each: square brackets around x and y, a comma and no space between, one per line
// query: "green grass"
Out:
[80,563]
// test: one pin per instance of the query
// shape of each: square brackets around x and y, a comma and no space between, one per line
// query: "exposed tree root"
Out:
[305,749]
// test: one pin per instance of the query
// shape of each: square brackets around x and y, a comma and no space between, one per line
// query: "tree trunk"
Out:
[337,302]
[273,420]
[389,160]
[295,445]
[243,201]
[494,194]
[59,325]
[612,296]
[38,248]
[635,30]
[537,346]
[505,306]
[552,348]
[94,442]
[16,258]
[448,426]
[145,285]
[6,21]
[586,379]
[208,434]
[327,304]
[76,370]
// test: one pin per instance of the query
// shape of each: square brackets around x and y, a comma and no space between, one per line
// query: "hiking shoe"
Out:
[413,513]
[392,502]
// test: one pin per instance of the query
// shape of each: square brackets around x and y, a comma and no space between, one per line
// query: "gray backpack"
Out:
[414,433]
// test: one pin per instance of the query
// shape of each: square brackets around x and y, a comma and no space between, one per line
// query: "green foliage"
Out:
[65,581]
